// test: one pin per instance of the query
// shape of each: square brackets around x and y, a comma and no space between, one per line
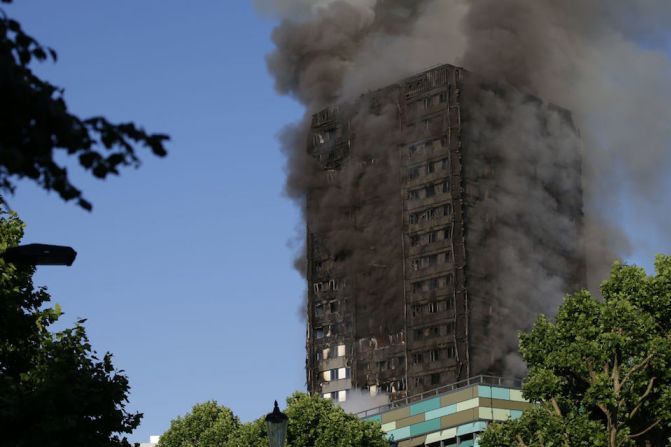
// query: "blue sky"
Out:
[184,270]
[185,265]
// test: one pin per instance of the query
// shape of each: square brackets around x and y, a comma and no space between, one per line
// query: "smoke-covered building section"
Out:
[420,267]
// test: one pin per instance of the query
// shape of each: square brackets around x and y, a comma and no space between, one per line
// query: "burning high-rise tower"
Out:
[427,248]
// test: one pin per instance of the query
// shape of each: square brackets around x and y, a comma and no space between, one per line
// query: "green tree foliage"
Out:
[207,425]
[252,434]
[54,390]
[35,123]
[313,422]
[601,373]
[317,422]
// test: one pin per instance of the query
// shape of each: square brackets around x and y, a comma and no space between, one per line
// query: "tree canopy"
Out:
[35,124]
[54,389]
[206,425]
[601,372]
[313,422]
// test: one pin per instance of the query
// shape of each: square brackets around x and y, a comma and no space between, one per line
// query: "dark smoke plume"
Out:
[603,60]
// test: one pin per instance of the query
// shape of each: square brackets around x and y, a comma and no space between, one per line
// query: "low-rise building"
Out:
[450,416]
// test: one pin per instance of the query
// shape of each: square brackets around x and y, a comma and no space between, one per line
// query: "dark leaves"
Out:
[54,388]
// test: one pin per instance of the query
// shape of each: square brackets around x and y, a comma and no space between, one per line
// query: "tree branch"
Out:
[642,398]
[653,425]
[520,442]
[636,368]
[555,405]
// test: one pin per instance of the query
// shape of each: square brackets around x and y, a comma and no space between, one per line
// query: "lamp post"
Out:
[40,254]
[277,427]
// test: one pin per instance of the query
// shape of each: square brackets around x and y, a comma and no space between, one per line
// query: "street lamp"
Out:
[40,254]
[277,427]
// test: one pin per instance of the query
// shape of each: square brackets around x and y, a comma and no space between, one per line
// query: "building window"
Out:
[433,355]
[412,150]
[333,307]
[319,310]
[413,195]
[342,396]
[435,379]
[341,350]
[445,186]
[451,352]
[430,191]
[319,332]
[445,163]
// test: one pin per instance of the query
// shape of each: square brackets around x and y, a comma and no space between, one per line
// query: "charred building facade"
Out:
[428,244]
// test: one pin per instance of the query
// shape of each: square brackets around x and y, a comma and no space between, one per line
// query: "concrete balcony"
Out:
[336,385]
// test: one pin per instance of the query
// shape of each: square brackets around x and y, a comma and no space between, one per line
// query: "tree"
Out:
[207,425]
[601,372]
[317,422]
[54,389]
[35,123]
[313,422]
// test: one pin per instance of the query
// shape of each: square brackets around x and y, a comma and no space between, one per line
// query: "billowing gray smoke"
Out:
[601,59]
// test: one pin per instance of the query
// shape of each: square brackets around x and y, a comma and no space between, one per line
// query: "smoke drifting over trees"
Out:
[601,59]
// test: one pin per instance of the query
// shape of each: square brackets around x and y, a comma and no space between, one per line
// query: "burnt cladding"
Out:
[421,267]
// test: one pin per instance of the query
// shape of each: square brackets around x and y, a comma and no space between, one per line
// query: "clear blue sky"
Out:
[184,269]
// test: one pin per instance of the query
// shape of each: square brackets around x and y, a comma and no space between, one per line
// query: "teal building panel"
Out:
[515,414]
[376,418]
[485,391]
[423,407]
[425,427]
[500,393]
[473,427]
[399,433]
[440,412]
